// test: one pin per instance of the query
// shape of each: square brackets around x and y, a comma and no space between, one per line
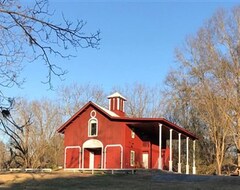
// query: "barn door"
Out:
[72,157]
[113,157]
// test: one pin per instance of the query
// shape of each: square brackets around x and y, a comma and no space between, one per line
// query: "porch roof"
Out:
[152,129]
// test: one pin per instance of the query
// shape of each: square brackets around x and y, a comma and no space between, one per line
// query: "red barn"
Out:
[100,138]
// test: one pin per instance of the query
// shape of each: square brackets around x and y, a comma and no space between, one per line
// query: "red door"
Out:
[113,157]
[72,157]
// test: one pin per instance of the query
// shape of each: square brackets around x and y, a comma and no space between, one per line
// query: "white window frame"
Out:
[90,127]
[132,158]
[105,155]
[132,134]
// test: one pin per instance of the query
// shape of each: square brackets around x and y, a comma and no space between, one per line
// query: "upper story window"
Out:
[132,133]
[92,127]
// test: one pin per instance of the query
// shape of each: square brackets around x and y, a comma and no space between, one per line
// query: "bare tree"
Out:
[28,33]
[142,100]
[36,143]
[209,70]
[40,136]
[178,107]
[74,96]
[4,156]
[212,109]
[14,131]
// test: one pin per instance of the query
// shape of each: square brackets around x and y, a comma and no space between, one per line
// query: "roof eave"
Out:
[69,121]
[159,120]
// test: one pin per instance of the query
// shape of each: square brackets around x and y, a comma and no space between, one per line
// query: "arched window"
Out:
[92,127]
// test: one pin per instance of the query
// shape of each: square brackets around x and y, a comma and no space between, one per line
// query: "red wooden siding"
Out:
[165,158]
[73,158]
[155,154]
[86,158]
[97,158]
[113,157]
[112,146]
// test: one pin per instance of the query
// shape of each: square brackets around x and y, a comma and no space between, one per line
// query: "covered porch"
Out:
[160,136]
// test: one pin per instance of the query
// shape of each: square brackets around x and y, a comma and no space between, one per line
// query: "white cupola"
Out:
[116,103]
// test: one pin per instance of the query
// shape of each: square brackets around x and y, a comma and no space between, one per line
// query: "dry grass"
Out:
[140,180]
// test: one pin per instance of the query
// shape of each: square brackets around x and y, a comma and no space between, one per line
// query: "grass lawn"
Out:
[140,180]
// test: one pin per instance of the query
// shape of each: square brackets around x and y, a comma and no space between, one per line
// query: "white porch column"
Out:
[179,153]
[187,162]
[160,148]
[194,162]
[170,159]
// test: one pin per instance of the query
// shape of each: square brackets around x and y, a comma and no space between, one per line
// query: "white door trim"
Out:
[91,160]
[92,143]
[105,155]
[65,155]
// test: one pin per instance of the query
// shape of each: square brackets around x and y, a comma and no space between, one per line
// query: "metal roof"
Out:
[116,95]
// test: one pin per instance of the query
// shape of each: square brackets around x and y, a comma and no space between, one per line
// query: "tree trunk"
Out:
[219,161]
[219,167]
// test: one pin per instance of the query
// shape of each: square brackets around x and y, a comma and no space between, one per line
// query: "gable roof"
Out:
[112,114]
[114,117]
[101,109]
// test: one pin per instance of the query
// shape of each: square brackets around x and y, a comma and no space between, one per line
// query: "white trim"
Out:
[109,112]
[147,163]
[118,102]
[132,133]
[93,114]
[105,155]
[160,148]
[65,155]
[187,155]
[179,153]
[91,160]
[92,143]
[194,162]
[116,94]
[82,157]
[132,158]
[109,104]
[102,159]
[170,159]
[89,126]
[113,102]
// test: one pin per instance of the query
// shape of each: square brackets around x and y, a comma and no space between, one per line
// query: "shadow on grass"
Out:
[152,180]
[74,181]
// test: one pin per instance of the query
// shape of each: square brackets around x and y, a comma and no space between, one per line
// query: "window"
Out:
[132,134]
[92,127]
[132,158]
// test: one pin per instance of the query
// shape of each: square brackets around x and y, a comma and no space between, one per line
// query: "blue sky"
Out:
[138,42]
